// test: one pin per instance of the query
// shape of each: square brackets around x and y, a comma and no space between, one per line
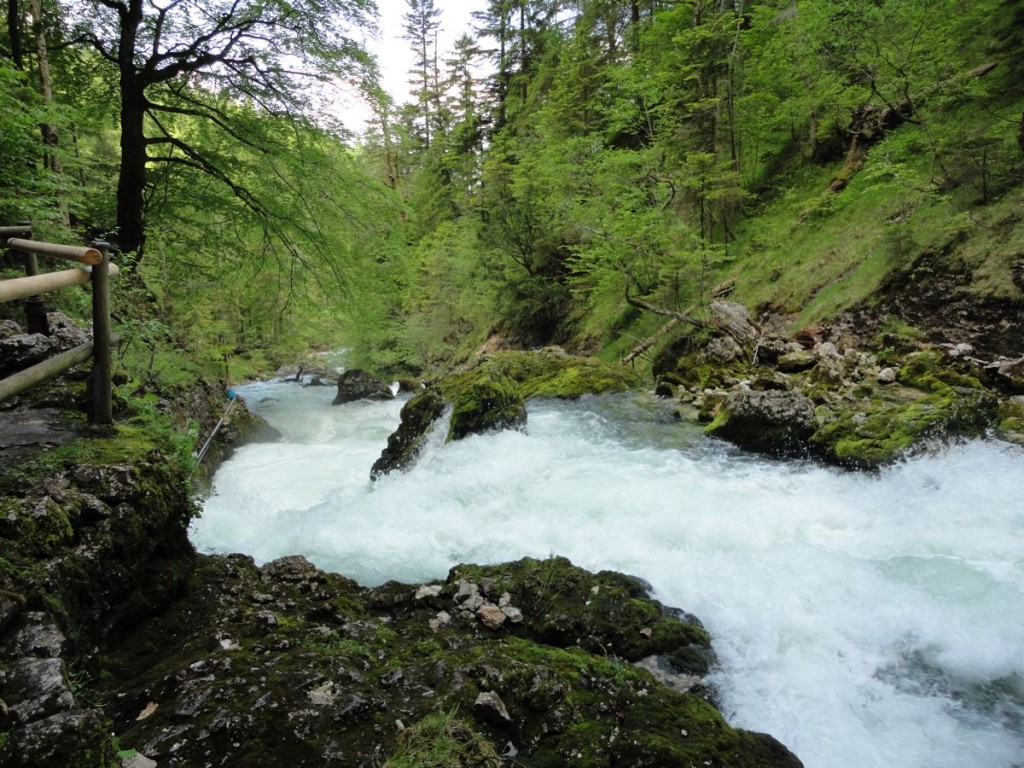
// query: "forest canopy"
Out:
[614,150]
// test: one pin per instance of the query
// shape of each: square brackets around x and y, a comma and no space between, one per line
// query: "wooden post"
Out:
[36,319]
[101,398]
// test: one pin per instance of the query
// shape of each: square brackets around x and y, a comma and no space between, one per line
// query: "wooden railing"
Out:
[18,240]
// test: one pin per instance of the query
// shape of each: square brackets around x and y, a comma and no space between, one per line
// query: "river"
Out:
[863,620]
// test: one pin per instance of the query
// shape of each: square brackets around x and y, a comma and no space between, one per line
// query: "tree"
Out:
[422,21]
[175,57]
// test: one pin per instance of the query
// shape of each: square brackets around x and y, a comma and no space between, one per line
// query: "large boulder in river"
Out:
[548,372]
[773,422]
[360,385]
[489,404]
[406,442]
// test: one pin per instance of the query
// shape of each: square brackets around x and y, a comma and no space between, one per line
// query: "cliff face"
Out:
[120,645]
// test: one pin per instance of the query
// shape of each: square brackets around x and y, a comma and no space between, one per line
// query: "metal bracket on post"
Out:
[100,394]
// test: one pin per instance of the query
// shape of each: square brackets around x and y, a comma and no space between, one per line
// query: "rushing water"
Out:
[862,620]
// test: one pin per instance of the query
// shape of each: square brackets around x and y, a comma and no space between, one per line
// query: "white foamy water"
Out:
[862,620]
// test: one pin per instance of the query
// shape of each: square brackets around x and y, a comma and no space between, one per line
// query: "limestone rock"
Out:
[776,423]
[52,741]
[36,689]
[23,351]
[360,385]
[491,616]
[491,708]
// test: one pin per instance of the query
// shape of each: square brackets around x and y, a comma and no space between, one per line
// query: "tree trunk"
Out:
[49,132]
[131,183]
[14,32]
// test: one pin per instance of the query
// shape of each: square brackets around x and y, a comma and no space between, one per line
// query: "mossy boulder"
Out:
[773,422]
[406,442]
[879,430]
[360,385]
[548,372]
[491,396]
[490,404]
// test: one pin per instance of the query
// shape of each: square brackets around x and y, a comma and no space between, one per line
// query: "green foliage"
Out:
[443,740]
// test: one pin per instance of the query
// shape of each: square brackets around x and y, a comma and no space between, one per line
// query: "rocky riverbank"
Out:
[836,394]
[119,645]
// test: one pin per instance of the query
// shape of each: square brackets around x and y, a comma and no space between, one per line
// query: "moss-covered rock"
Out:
[545,373]
[491,396]
[488,404]
[773,422]
[360,385]
[878,431]
[406,442]
[286,663]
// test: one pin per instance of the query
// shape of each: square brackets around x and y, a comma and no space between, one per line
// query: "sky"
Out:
[395,54]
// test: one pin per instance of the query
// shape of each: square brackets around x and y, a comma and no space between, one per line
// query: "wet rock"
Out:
[293,568]
[1008,375]
[663,671]
[360,385]
[406,442]
[775,423]
[489,404]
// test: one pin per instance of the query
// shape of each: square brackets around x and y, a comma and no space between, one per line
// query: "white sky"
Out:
[395,54]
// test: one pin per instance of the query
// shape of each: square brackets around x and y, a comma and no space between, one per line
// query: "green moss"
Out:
[443,740]
[925,371]
[547,373]
[488,404]
[882,431]
[35,530]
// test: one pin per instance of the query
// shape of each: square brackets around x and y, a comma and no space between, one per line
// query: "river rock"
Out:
[360,385]
[773,422]
[489,404]
[406,442]
[1008,375]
